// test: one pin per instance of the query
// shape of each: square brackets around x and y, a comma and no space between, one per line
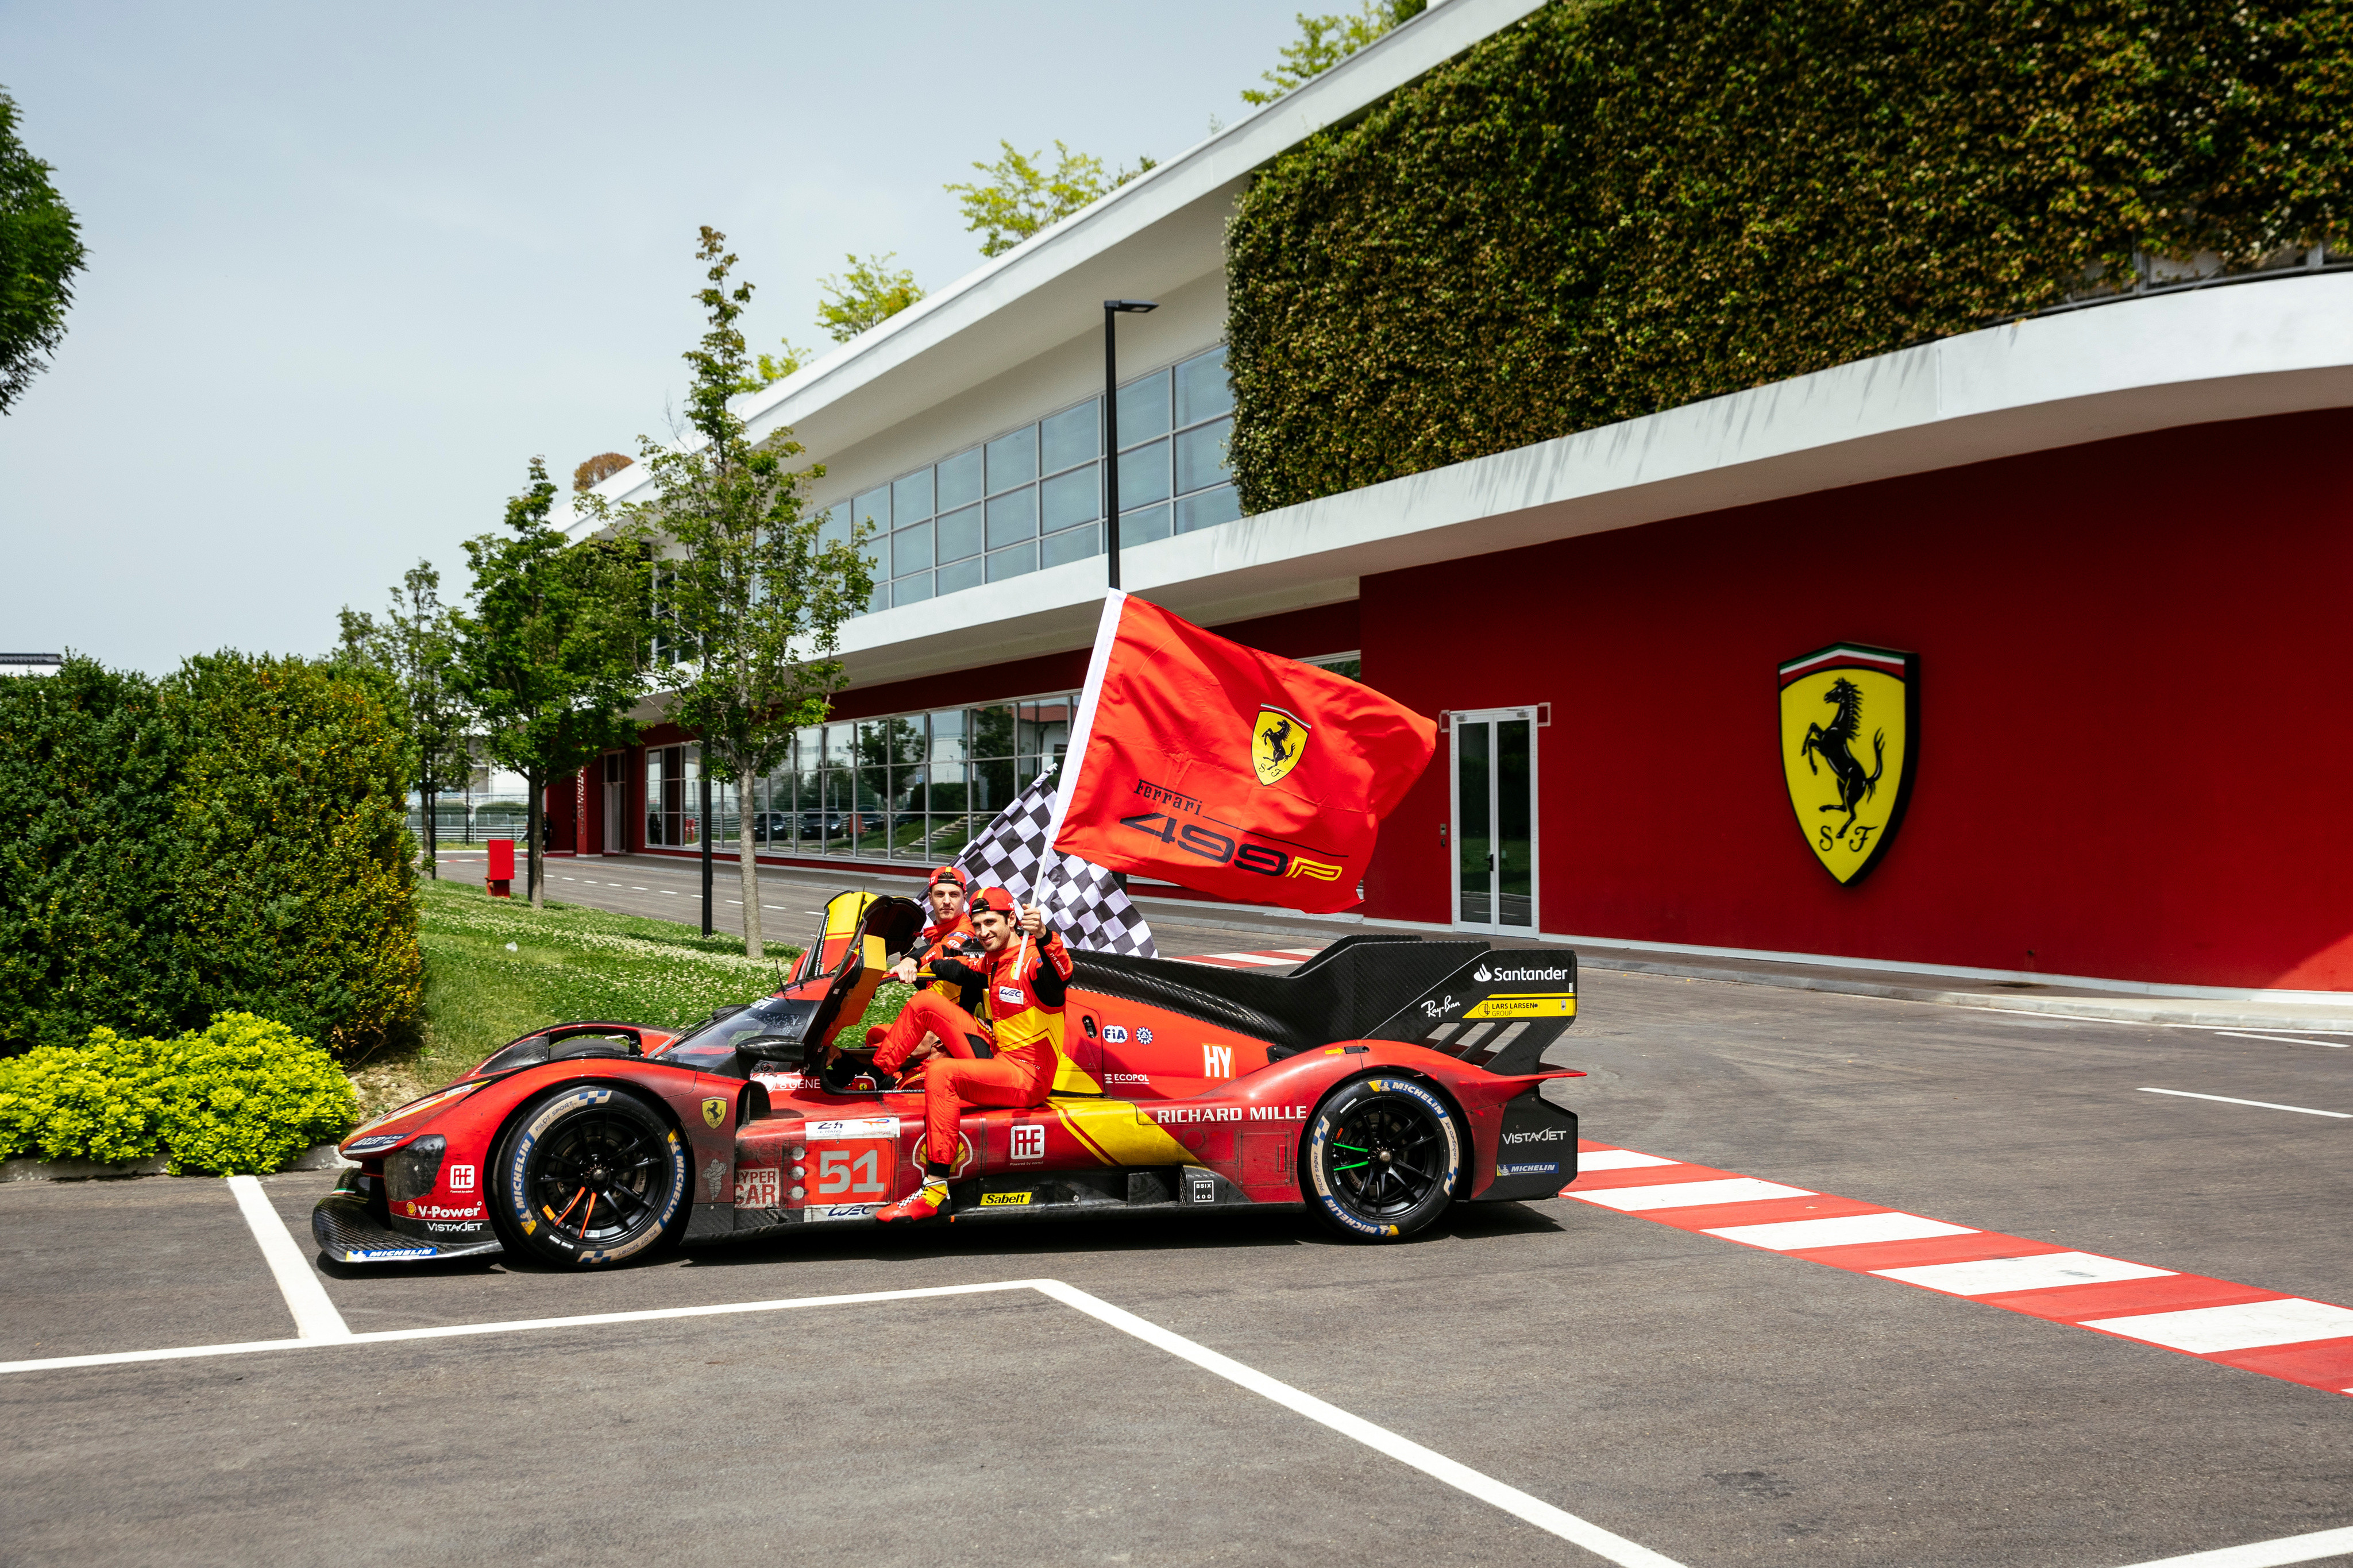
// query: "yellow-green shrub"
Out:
[245,1096]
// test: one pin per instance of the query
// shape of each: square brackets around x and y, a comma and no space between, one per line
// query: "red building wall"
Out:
[2136,711]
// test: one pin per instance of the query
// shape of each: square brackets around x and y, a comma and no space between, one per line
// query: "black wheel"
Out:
[1380,1158]
[588,1177]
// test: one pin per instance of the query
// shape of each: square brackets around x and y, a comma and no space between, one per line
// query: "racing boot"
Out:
[926,1202]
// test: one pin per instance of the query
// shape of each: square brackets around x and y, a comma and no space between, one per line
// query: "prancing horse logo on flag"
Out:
[1276,742]
[1850,730]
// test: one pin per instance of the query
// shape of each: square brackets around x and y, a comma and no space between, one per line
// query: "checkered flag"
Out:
[1086,904]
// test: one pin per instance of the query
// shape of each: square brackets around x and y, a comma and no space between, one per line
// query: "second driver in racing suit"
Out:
[1024,972]
[933,1014]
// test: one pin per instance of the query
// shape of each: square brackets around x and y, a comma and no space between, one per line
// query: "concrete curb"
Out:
[322,1158]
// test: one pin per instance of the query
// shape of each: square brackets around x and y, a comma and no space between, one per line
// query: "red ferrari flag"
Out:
[1229,771]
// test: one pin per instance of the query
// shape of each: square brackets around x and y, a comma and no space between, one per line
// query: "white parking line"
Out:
[2265,1553]
[1603,1544]
[315,1317]
[2286,1039]
[2258,1104]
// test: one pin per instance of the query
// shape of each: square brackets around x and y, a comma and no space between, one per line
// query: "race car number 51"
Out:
[853,1171]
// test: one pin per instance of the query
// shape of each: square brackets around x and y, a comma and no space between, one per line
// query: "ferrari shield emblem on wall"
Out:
[1850,730]
[714,1111]
[1277,740]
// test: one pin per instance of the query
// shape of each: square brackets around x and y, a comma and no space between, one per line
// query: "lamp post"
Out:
[1113,311]
[703,774]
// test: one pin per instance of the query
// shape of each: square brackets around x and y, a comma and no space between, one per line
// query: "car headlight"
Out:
[411,1172]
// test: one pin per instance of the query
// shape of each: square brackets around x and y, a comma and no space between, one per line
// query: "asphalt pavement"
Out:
[1712,1404]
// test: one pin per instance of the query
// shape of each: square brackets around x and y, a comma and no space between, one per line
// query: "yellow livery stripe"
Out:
[1117,1134]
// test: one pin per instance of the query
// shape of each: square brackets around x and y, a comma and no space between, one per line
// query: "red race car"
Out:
[1383,1079]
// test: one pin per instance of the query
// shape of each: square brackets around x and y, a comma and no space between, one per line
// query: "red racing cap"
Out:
[956,874]
[996,899]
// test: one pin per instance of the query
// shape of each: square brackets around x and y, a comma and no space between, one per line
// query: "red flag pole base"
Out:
[500,890]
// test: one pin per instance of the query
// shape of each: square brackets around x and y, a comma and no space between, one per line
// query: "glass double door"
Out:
[1494,819]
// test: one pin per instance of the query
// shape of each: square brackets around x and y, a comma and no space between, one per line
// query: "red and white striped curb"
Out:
[1273,955]
[2281,1336]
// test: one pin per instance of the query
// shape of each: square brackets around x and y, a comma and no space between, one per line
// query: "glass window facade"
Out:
[1033,498]
[913,787]
[673,803]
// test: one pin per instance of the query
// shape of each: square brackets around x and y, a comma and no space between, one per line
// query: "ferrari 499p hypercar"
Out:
[1381,1081]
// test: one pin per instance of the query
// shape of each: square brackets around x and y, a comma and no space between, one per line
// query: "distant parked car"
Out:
[772,827]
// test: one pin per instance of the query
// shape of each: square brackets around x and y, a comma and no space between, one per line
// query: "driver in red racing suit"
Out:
[1025,972]
[938,1016]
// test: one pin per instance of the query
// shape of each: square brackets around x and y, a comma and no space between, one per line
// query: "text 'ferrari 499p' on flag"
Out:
[1231,772]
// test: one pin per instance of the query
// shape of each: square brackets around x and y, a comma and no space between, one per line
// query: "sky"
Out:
[352,266]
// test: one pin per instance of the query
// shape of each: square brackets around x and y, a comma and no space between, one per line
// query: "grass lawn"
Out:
[496,969]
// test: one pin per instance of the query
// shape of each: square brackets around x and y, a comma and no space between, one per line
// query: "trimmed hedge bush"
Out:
[232,838]
[88,761]
[1614,209]
[296,890]
[247,1095]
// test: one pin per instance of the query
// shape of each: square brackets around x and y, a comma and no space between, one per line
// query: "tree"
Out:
[551,656]
[1019,197]
[414,646]
[753,596]
[1324,41]
[869,294]
[41,251]
[774,368]
[597,469]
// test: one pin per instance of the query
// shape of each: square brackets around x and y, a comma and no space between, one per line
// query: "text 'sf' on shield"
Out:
[1850,733]
[1277,741]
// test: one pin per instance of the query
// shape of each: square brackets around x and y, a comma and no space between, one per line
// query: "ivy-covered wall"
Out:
[1617,207]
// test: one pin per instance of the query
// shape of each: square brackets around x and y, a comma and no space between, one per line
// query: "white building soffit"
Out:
[1153,234]
[2233,353]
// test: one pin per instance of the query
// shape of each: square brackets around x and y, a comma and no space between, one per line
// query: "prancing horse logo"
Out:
[1277,741]
[1849,808]
[1835,745]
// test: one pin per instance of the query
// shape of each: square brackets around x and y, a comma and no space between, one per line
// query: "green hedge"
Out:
[1614,209]
[87,764]
[230,839]
[296,887]
[245,1096]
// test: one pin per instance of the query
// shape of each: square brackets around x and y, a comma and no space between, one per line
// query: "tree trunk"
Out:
[531,835]
[746,817]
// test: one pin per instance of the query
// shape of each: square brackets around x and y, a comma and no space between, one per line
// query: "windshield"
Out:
[715,1041]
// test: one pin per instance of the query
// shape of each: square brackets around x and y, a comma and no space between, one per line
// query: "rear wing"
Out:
[1499,1011]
